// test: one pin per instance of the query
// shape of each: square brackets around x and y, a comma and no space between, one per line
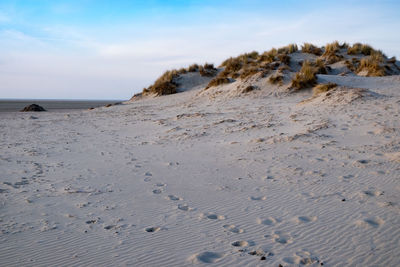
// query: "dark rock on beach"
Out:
[33,107]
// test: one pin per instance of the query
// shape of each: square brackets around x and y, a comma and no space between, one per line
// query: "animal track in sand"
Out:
[184,207]
[268,221]
[258,198]
[174,198]
[373,193]
[240,243]
[206,257]
[302,258]
[361,163]
[370,222]
[281,238]
[152,229]
[232,228]
[305,219]
[212,216]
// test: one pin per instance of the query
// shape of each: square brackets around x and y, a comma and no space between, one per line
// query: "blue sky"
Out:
[91,49]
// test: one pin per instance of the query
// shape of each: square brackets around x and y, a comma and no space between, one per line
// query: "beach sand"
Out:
[258,180]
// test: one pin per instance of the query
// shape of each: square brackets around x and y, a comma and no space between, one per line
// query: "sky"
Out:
[97,49]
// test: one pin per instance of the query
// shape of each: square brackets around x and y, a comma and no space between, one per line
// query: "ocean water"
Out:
[15,105]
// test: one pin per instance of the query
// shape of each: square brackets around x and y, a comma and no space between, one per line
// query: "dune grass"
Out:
[323,87]
[289,49]
[306,77]
[276,79]
[311,49]
[248,72]
[193,68]
[207,70]
[359,48]
[372,65]
[218,81]
[164,85]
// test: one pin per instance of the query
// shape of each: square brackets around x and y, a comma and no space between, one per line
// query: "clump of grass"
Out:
[276,79]
[323,87]
[269,56]
[284,58]
[248,72]
[330,54]
[207,70]
[164,85]
[306,77]
[182,71]
[372,65]
[232,65]
[193,68]
[311,49]
[392,60]
[331,48]
[321,67]
[359,48]
[248,89]
[218,81]
[289,49]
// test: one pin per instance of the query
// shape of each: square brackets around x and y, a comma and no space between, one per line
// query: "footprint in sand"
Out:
[212,216]
[242,243]
[233,229]
[174,198]
[361,163]
[370,222]
[280,237]
[152,229]
[157,191]
[373,193]
[184,207]
[258,198]
[268,221]
[305,219]
[302,258]
[206,257]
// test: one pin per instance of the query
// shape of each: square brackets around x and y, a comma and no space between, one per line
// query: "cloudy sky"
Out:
[97,49]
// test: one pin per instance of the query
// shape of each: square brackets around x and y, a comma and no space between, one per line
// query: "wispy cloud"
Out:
[129,52]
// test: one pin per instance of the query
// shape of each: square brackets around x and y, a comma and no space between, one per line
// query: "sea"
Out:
[15,105]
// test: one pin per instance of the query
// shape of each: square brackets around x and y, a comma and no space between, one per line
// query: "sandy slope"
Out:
[256,180]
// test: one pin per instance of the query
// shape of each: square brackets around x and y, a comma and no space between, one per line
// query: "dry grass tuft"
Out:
[248,72]
[321,67]
[182,71]
[359,48]
[284,58]
[249,88]
[323,87]
[311,49]
[269,56]
[289,49]
[276,79]
[331,48]
[193,68]
[306,77]
[372,65]
[164,85]
[218,81]
[392,60]
[330,54]
[207,70]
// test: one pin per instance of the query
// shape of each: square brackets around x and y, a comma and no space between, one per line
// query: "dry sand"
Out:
[257,180]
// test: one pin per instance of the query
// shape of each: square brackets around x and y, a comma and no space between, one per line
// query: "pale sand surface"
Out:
[207,178]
